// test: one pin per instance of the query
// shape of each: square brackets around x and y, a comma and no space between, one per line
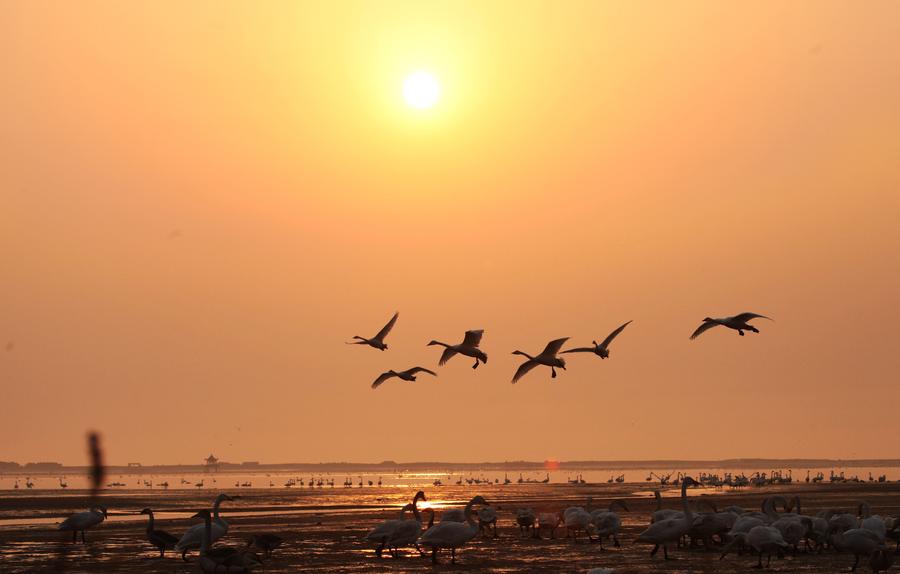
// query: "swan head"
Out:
[102,509]
[707,319]
[202,514]
[419,496]
[689,481]
[146,511]
[478,499]
[433,342]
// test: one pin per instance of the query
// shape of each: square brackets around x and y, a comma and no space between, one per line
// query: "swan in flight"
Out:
[469,348]
[378,340]
[738,323]
[407,375]
[82,521]
[193,538]
[452,535]
[669,531]
[600,349]
[159,538]
[547,358]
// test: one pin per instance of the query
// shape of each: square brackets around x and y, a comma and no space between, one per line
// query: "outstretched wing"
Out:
[415,370]
[387,328]
[523,370]
[382,378]
[473,338]
[554,346]
[613,335]
[446,356]
[744,317]
[579,350]
[706,326]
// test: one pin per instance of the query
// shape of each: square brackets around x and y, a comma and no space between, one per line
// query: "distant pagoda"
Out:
[212,464]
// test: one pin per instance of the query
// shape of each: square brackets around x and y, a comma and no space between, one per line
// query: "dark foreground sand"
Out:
[328,537]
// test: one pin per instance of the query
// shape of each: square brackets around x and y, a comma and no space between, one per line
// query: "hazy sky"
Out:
[200,202]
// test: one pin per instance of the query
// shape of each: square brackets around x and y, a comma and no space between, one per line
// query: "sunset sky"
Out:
[201,201]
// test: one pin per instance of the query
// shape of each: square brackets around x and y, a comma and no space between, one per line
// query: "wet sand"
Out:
[323,529]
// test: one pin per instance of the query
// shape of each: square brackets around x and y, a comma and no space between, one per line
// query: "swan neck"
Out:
[206,542]
[688,513]
[469,517]
[150,523]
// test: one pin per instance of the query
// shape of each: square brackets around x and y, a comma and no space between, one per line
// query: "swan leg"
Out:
[453,555]
[654,551]
[616,541]
[184,555]
[741,333]
[759,564]
[475,366]
[82,538]
[380,549]
[666,551]
[74,537]
[552,373]
[855,564]
[434,555]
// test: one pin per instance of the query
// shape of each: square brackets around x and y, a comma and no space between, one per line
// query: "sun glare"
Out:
[421,90]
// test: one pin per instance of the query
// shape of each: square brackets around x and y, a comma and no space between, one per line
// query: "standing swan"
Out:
[738,323]
[159,538]
[82,521]
[600,349]
[452,535]
[669,531]
[223,560]
[193,538]
[547,357]
[407,375]
[378,340]
[469,348]
[383,532]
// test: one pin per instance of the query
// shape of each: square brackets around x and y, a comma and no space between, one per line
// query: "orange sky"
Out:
[200,202]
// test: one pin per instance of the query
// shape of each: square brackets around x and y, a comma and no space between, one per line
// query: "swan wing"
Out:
[387,328]
[579,350]
[446,356]
[382,378]
[744,317]
[554,346]
[416,370]
[706,326]
[613,335]
[473,338]
[523,370]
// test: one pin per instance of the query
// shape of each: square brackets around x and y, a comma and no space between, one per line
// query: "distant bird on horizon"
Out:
[599,349]
[378,340]
[547,357]
[469,348]
[407,375]
[738,323]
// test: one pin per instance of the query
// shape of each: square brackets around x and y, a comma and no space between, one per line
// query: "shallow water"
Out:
[324,529]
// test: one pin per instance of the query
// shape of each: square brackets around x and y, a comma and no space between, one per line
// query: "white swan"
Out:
[547,357]
[872,522]
[763,539]
[407,375]
[577,520]
[663,513]
[738,323]
[378,340]
[668,531]
[859,541]
[452,535]
[599,349]
[83,521]
[222,560]
[607,523]
[549,521]
[469,348]
[525,519]
[487,519]
[193,538]
[384,532]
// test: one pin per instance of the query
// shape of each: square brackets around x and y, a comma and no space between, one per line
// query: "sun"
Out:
[421,90]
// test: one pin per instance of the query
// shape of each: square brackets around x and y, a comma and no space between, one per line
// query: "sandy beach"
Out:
[324,530]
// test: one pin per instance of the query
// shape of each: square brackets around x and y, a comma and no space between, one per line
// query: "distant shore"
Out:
[436,466]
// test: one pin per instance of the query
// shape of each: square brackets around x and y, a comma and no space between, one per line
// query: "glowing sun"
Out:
[421,90]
